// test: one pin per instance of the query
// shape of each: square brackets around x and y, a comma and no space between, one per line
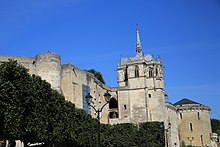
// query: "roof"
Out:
[138,57]
[186,101]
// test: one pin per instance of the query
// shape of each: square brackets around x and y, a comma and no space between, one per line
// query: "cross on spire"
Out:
[138,42]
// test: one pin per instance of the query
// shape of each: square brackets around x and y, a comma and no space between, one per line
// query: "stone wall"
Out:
[194,126]
[140,91]
[67,79]
[171,132]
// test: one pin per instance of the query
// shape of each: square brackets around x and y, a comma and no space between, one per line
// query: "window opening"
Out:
[181,116]
[149,95]
[113,103]
[136,71]
[198,115]
[150,73]
[125,106]
[126,74]
[113,115]
[191,127]
[202,140]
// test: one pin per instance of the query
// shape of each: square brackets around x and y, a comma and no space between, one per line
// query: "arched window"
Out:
[113,115]
[136,71]
[113,103]
[150,72]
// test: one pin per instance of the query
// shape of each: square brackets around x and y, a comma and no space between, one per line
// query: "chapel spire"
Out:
[138,42]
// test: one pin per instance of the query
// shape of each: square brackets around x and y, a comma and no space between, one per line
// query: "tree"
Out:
[150,134]
[13,79]
[121,135]
[215,126]
[33,112]
[97,74]
[23,102]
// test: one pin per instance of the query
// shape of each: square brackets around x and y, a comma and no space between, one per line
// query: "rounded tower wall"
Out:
[48,67]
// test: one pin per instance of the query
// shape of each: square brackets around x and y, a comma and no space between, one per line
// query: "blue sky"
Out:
[94,33]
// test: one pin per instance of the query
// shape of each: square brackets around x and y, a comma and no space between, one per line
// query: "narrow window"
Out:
[149,95]
[191,127]
[198,115]
[126,75]
[136,72]
[150,73]
[156,72]
[181,116]
[125,106]
[202,140]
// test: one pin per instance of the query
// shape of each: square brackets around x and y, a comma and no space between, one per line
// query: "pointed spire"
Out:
[138,42]
[120,58]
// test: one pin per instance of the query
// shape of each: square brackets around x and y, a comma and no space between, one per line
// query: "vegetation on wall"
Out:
[97,74]
[33,112]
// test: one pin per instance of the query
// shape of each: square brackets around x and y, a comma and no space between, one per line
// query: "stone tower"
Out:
[141,87]
[193,123]
[48,67]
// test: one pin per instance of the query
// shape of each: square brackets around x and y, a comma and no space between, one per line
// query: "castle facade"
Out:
[139,97]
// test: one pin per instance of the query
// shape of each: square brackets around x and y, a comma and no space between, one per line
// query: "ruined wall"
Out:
[75,81]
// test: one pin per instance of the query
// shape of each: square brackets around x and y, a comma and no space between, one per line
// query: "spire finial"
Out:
[138,42]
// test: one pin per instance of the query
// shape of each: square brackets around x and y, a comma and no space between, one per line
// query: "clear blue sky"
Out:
[93,34]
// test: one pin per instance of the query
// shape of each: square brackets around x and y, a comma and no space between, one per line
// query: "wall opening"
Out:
[202,140]
[150,72]
[113,115]
[191,127]
[156,72]
[126,74]
[198,115]
[136,71]
[113,103]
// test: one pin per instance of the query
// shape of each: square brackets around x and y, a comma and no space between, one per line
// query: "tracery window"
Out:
[136,70]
